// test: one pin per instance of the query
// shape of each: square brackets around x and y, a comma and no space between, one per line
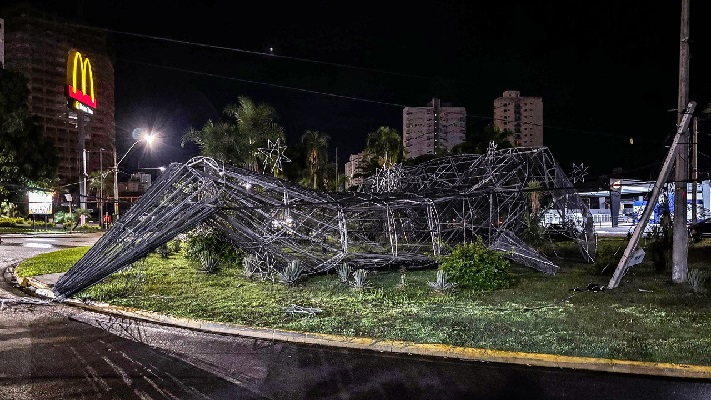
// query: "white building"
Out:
[353,167]
[432,129]
[522,116]
[138,183]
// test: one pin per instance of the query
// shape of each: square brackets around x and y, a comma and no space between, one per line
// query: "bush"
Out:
[608,256]
[659,246]
[291,273]
[206,239]
[474,266]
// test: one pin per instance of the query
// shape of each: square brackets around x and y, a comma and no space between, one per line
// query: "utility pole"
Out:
[116,194]
[101,186]
[680,250]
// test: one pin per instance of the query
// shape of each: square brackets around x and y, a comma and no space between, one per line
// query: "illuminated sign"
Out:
[79,106]
[80,80]
[40,202]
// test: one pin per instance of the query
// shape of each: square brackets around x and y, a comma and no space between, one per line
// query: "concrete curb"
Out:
[394,346]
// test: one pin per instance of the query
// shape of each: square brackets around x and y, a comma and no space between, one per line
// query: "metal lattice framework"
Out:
[401,216]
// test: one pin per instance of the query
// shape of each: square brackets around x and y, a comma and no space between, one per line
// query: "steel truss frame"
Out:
[401,216]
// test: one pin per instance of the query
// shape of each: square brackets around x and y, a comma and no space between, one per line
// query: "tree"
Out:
[257,124]
[316,152]
[27,158]
[100,183]
[479,143]
[383,148]
[236,140]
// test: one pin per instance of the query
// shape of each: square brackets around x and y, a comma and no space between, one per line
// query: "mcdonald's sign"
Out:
[80,81]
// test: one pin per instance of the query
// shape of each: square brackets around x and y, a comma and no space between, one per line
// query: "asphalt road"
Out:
[57,351]
[46,354]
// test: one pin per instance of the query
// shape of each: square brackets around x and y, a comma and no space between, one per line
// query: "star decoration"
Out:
[579,172]
[274,155]
[492,147]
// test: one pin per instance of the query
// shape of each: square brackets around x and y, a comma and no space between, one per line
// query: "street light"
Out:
[148,138]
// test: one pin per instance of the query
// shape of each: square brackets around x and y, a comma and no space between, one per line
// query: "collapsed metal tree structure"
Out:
[401,216]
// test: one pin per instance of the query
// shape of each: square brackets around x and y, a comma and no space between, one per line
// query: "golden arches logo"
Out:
[79,68]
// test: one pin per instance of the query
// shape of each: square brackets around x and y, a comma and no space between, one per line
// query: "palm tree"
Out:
[257,123]
[316,144]
[236,140]
[383,148]
[217,140]
[100,183]
[534,188]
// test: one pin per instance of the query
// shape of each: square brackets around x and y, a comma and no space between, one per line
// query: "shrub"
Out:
[359,279]
[608,256]
[208,263]
[291,273]
[659,246]
[6,222]
[441,284]
[474,266]
[164,250]
[534,231]
[207,239]
[343,272]
[696,279]
[249,265]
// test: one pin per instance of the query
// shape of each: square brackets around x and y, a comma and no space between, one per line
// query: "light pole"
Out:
[148,138]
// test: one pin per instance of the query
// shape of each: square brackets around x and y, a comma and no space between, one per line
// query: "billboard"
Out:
[40,202]
[80,82]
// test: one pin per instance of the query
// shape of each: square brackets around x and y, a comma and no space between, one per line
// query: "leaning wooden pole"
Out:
[623,265]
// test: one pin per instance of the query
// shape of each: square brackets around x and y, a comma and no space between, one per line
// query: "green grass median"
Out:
[647,318]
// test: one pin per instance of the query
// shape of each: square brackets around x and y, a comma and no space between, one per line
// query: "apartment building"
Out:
[353,167]
[522,116]
[433,129]
[38,45]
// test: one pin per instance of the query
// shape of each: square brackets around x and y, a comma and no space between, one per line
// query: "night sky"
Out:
[606,70]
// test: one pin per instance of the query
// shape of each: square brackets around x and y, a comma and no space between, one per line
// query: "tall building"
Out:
[353,167]
[522,116]
[432,129]
[38,45]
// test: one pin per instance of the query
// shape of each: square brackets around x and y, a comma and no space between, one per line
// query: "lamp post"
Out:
[148,138]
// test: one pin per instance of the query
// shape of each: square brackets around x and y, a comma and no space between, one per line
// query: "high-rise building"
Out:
[432,129]
[39,45]
[522,117]
[353,168]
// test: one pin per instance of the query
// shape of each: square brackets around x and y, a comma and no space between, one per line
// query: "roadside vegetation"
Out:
[647,318]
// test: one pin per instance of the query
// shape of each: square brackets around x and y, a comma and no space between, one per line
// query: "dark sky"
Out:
[606,70]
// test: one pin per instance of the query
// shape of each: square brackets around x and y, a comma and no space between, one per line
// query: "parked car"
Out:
[700,229]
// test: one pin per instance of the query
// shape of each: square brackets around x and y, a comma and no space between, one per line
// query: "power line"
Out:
[346,97]
[260,53]
[301,59]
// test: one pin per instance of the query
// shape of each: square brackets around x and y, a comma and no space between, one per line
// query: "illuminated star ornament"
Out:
[274,155]
[579,172]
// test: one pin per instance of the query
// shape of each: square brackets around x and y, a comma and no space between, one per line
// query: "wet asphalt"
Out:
[55,351]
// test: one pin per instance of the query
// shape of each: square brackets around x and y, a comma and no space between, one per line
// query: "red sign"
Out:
[80,79]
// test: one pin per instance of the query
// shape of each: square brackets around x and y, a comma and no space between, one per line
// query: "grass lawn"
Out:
[647,318]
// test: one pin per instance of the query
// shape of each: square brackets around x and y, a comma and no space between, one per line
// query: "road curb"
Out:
[394,346]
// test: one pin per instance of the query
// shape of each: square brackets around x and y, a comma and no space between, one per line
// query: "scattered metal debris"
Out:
[294,309]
